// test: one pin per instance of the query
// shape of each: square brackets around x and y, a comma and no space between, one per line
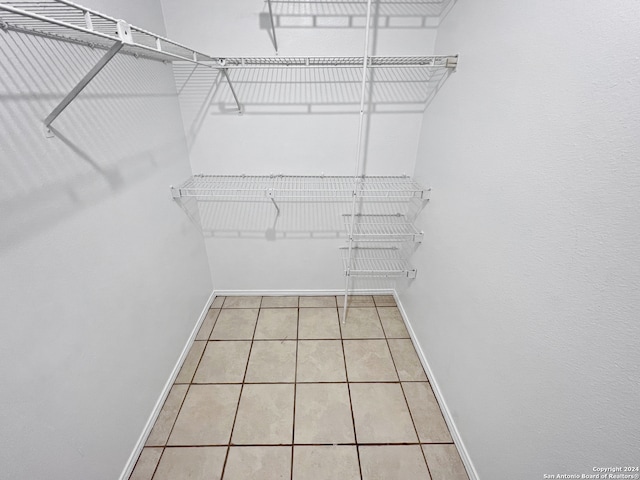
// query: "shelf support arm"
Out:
[125,37]
[233,92]
[80,86]
[273,27]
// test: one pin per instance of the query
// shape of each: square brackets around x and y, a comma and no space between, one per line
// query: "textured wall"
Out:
[102,276]
[529,303]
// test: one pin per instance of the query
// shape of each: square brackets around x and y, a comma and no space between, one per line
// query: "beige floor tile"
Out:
[265,415]
[242,302]
[207,324]
[323,413]
[444,462]
[369,361]
[381,414]
[206,417]
[426,413]
[279,302]
[217,302]
[164,423]
[392,322]
[277,323]
[356,301]
[384,300]
[235,324]
[194,463]
[320,361]
[272,361]
[406,360]
[146,464]
[191,362]
[223,362]
[393,462]
[318,323]
[361,323]
[326,301]
[325,463]
[260,463]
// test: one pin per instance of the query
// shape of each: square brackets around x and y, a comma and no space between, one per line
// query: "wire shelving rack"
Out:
[376,262]
[381,228]
[66,21]
[299,187]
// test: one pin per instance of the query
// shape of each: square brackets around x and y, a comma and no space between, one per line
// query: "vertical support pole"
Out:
[356,173]
[233,92]
[273,26]
[80,86]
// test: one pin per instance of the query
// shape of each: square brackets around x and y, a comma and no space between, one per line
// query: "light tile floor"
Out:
[278,388]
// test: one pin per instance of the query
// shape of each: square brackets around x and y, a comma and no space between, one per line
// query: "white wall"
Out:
[102,276]
[296,122]
[528,311]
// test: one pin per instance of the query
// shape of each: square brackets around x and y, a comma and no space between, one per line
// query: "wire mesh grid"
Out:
[330,62]
[67,21]
[376,262]
[299,187]
[335,8]
[387,228]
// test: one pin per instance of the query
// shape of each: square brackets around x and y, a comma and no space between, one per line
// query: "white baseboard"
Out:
[301,293]
[446,413]
[133,458]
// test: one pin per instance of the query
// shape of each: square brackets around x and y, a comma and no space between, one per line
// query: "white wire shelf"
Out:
[381,228]
[291,187]
[354,8]
[432,61]
[376,262]
[64,20]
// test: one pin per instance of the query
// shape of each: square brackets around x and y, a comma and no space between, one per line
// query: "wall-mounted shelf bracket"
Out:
[124,34]
[106,58]
[222,63]
[273,26]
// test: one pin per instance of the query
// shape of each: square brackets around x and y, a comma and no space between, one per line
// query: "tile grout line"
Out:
[346,374]
[235,416]
[253,340]
[173,424]
[404,395]
[320,444]
[157,463]
[295,383]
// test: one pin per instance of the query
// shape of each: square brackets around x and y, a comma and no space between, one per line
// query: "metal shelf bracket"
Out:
[124,34]
[222,62]
[273,26]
